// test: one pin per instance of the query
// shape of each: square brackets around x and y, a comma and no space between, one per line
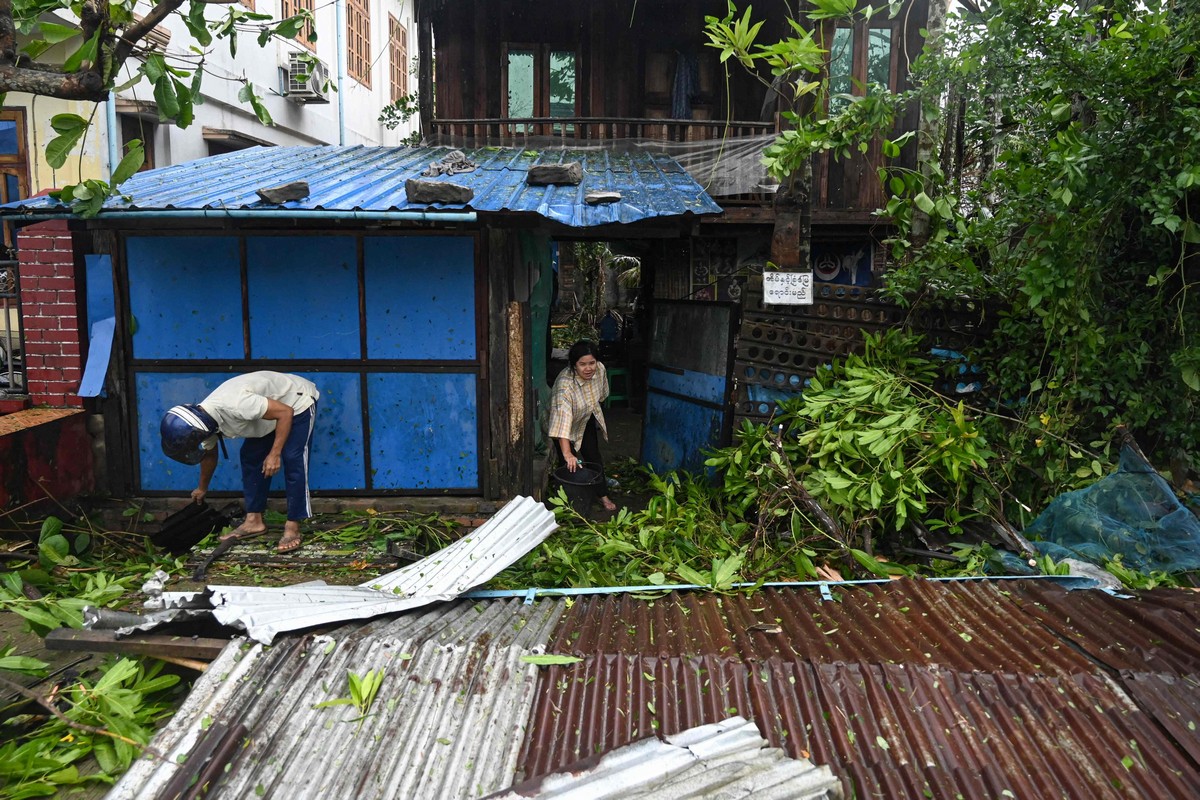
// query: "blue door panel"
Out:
[687,385]
[303,297]
[684,432]
[337,459]
[158,391]
[690,384]
[420,297]
[185,296]
[424,430]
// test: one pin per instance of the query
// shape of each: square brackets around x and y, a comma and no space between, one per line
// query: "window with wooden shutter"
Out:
[398,35]
[291,8]
[358,41]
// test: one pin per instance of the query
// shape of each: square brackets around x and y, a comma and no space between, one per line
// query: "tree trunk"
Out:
[929,130]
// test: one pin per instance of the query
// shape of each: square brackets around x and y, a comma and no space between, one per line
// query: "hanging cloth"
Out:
[686,86]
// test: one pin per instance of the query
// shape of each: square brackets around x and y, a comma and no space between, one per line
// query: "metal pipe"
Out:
[1069,581]
[112,132]
[340,27]
[255,213]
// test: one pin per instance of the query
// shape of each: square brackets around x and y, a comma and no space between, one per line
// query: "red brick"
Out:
[42,348]
[64,260]
[70,349]
[63,362]
[50,226]
[36,270]
[35,296]
[34,243]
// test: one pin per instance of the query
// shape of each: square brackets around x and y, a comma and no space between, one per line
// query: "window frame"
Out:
[289,9]
[860,33]
[358,61]
[541,75]
[397,57]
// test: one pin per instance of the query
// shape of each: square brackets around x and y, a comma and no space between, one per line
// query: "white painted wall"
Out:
[294,123]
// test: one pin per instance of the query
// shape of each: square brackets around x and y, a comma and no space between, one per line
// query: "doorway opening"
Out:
[598,295]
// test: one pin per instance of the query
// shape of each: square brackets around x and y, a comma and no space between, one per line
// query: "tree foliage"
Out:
[1065,195]
[106,50]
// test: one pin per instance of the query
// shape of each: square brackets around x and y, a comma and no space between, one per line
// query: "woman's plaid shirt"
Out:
[573,401]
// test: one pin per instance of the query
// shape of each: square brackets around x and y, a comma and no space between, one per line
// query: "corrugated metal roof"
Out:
[371,179]
[448,721]
[726,759]
[903,689]
[906,689]
[265,611]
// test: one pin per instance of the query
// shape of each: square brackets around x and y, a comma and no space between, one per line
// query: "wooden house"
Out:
[628,74]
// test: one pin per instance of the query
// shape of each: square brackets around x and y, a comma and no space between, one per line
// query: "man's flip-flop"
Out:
[236,536]
[288,544]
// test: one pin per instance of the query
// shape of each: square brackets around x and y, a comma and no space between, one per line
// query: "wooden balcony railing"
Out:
[505,132]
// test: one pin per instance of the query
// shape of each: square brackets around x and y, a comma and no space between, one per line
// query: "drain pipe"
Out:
[113,133]
[340,25]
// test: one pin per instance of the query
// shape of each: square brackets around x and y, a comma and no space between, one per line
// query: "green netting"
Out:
[1132,513]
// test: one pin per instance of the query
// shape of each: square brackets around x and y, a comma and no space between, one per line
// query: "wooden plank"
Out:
[499,259]
[165,645]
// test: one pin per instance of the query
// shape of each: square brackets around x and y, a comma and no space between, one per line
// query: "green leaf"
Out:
[196,24]
[51,526]
[58,148]
[164,95]
[131,163]
[924,203]
[868,563]
[550,660]
[86,52]
[693,576]
[24,664]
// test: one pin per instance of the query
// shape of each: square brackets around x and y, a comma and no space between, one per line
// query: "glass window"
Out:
[841,68]
[879,56]
[520,83]
[562,83]
[8,137]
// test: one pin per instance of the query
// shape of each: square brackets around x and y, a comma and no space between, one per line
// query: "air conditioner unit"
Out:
[305,79]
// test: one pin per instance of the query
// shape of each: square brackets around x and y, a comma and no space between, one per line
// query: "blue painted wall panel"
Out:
[424,429]
[336,460]
[303,297]
[680,435]
[690,384]
[185,293]
[158,391]
[420,297]
[100,303]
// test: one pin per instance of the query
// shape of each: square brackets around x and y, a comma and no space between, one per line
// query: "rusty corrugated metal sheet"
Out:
[448,722]
[1156,632]
[907,689]
[372,179]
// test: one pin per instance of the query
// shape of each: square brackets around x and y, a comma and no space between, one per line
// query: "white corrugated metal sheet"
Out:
[448,722]
[728,759]
[264,612]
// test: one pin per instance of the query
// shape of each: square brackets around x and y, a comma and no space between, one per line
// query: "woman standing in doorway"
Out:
[576,418]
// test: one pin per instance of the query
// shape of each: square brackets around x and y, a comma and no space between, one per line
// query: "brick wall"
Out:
[50,314]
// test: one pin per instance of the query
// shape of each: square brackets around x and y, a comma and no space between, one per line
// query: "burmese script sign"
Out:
[788,288]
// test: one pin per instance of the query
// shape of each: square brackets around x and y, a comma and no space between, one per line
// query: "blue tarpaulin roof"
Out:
[371,179]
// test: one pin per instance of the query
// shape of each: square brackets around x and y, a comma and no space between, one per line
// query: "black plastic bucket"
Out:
[582,486]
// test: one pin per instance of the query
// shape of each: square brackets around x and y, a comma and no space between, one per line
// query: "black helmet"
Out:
[188,432]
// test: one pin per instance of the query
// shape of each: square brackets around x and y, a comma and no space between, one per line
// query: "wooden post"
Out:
[424,11]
